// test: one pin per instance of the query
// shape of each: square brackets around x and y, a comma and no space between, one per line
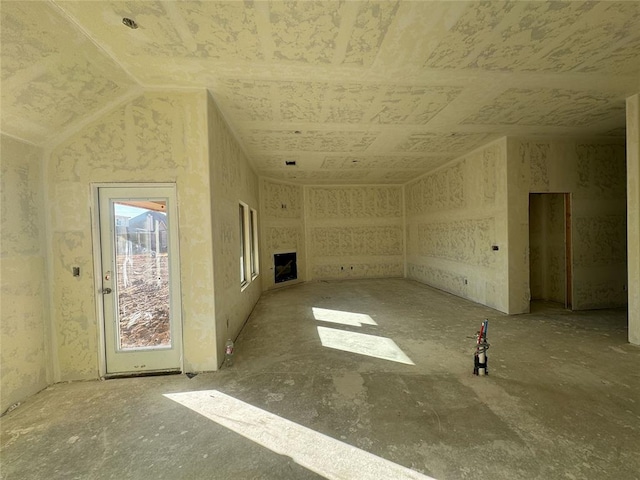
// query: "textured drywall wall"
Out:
[156,137]
[354,232]
[232,181]
[337,232]
[547,251]
[633,215]
[281,228]
[453,218]
[594,174]
[24,331]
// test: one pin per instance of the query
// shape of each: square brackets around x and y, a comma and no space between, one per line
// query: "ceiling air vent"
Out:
[130,23]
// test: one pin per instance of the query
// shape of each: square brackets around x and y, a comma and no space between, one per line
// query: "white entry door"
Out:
[140,287]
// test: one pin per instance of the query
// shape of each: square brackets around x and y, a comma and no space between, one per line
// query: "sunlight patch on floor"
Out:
[319,453]
[344,318]
[363,344]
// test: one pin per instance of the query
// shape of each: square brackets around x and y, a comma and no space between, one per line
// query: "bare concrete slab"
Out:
[562,399]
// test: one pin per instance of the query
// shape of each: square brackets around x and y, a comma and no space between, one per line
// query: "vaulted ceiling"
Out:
[352,91]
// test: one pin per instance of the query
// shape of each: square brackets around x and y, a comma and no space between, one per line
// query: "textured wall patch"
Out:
[602,168]
[355,202]
[356,241]
[281,200]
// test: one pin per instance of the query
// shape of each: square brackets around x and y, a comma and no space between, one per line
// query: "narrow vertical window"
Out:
[253,239]
[243,244]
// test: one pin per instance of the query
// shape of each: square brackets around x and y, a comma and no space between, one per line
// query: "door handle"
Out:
[106,291]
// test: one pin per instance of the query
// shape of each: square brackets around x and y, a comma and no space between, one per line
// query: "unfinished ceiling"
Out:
[355,92]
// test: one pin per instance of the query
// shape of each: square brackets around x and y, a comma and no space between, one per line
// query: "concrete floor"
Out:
[562,400]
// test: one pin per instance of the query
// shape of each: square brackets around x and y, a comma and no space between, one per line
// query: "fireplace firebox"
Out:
[286,268]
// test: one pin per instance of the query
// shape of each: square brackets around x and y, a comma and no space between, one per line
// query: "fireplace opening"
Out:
[285,267]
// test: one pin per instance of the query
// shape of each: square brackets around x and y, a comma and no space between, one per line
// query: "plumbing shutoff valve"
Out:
[480,358]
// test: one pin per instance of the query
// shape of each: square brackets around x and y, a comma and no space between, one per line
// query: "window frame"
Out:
[243,225]
[254,260]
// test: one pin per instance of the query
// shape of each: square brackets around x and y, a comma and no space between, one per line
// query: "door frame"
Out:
[98,272]
[568,245]
[568,239]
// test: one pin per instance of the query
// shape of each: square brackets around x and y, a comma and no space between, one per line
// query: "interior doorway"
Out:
[550,275]
[138,279]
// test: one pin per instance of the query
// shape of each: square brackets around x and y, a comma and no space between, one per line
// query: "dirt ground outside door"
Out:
[143,300]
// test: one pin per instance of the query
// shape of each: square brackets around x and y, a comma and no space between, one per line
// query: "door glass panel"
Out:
[142,274]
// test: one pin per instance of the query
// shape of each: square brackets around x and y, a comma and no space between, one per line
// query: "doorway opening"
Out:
[138,280]
[550,274]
